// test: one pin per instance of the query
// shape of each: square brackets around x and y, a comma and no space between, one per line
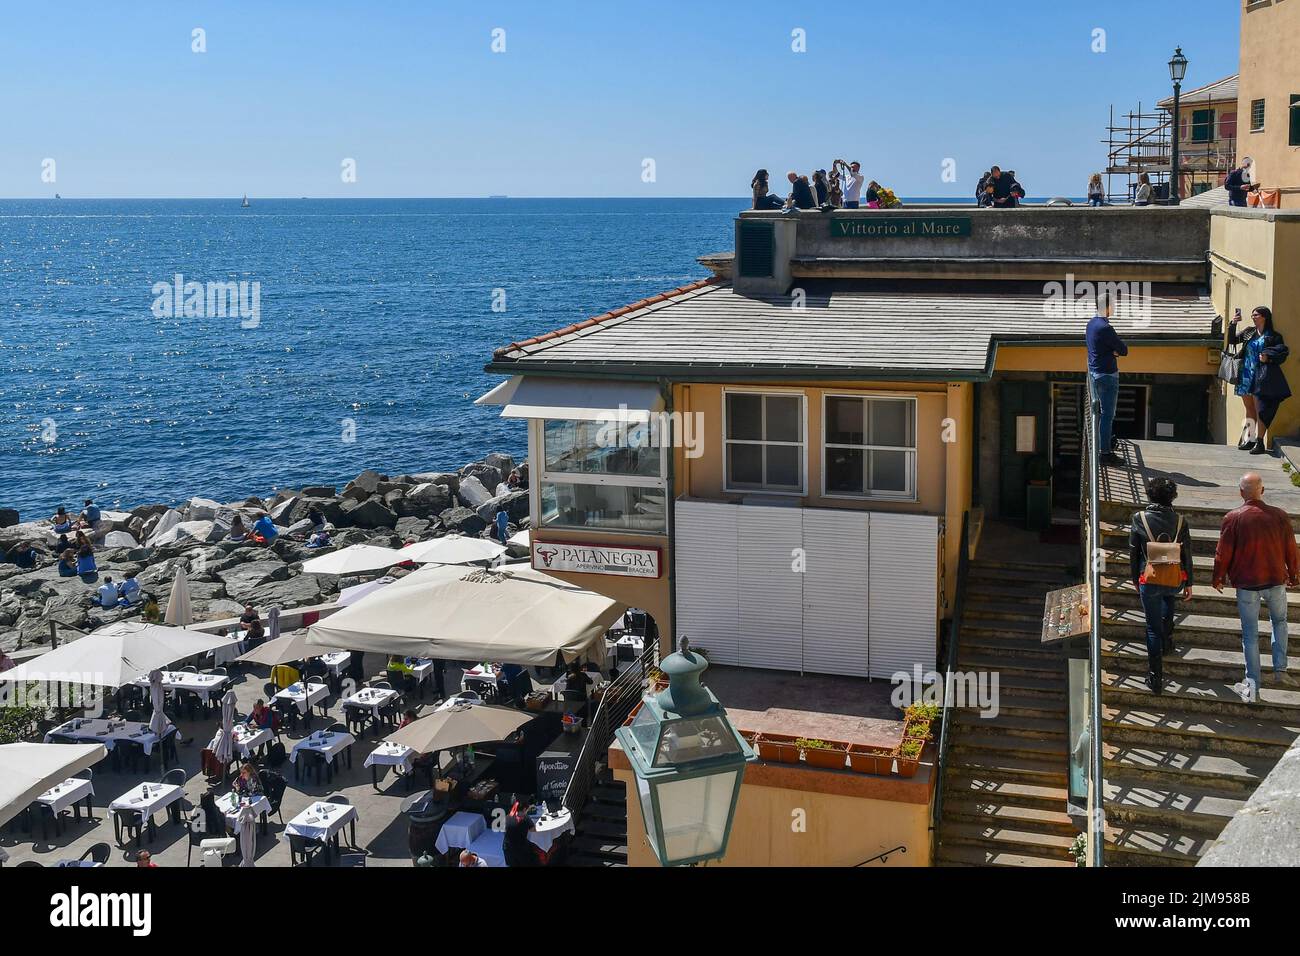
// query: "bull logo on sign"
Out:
[546,554]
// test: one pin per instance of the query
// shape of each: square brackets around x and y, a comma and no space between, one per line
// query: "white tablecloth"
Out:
[148,798]
[337,661]
[61,796]
[331,745]
[229,803]
[321,820]
[99,731]
[488,845]
[188,680]
[371,699]
[227,652]
[294,693]
[391,755]
[546,830]
[249,738]
[460,831]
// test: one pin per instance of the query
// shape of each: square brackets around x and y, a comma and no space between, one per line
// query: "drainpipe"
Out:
[666,391]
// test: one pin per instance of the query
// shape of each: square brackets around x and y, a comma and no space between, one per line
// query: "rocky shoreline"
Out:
[153,540]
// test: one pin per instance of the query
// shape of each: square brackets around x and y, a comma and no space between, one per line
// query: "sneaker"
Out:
[1285,679]
[1247,690]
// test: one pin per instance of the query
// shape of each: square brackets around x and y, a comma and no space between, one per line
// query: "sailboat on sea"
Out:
[244,204]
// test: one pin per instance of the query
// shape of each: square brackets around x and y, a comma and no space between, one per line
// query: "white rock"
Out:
[472,493]
[187,532]
[201,509]
[120,539]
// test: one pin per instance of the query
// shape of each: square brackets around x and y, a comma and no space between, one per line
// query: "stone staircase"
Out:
[1179,765]
[601,837]
[1005,783]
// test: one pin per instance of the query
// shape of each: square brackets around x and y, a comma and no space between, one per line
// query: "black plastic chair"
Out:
[99,853]
[129,756]
[357,718]
[29,863]
[167,747]
[306,847]
[176,777]
[273,785]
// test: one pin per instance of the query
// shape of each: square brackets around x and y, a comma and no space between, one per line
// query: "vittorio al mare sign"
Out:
[900,227]
[596,559]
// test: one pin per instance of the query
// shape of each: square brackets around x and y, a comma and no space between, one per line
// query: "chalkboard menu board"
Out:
[555,765]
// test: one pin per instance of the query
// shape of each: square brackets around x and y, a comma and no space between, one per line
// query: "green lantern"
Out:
[689,764]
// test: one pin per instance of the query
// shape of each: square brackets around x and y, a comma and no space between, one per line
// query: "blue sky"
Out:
[582,95]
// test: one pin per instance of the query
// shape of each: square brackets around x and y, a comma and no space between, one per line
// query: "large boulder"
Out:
[201,509]
[120,539]
[158,577]
[363,485]
[243,580]
[413,529]
[330,508]
[168,520]
[473,493]
[280,513]
[426,500]
[145,512]
[488,475]
[297,591]
[319,491]
[514,503]
[462,521]
[8,517]
[501,462]
[370,513]
[183,535]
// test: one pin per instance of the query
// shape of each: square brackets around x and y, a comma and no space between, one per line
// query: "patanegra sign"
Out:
[596,559]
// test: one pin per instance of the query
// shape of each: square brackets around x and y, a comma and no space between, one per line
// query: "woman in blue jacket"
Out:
[1261,373]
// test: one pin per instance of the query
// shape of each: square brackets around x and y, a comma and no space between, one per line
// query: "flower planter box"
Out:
[917,728]
[777,748]
[877,760]
[827,758]
[907,766]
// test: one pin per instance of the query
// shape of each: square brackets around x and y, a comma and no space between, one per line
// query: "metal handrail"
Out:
[882,857]
[1092,571]
[950,665]
[616,702]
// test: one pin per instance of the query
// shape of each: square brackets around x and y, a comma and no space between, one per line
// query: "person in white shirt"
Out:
[130,590]
[468,858]
[108,593]
[853,180]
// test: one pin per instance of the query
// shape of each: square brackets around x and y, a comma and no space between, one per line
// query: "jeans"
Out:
[1158,605]
[1094,202]
[1105,389]
[851,204]
[1248,603]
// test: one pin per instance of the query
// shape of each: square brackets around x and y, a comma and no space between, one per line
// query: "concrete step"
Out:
[1156,726]
[1041,669]
[972,784]
[1018,571]
[1198,663]
[1118,591]
[979,739]
[997,764]
[1128,688]
[1007,838]
[1018,705]
[995,607]
[984,811]
[961,854]
[1027,646]
[1154,846]
[598,851]
[1013,589]
[1013,726]
[1223,773]
[1197,517]
[1115,535]
[1196,809]
[1117,562]
[1027,687]
[1119,622]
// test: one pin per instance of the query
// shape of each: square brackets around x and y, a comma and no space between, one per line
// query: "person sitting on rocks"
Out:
[68,563]
[237,530]
[107,593]
[128,592]
[23,555]
[86,566]
[82,541]
[63,544]
[264,530]
[316,518]
[90,515]
[62,521]
[319,539]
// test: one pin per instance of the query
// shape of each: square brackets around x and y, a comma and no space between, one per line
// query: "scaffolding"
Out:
[1139,142]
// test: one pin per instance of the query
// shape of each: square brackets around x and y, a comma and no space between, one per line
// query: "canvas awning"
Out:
[572,399]
[512,615]
[28,770]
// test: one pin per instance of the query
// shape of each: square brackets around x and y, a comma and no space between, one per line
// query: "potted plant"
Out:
[867,759]
[932,713]
[909,756]
[919,729]
[1079,850]
[827,754]
[778,748]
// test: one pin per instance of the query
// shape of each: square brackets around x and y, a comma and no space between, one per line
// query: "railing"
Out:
[616,702]
[882,857]
[954,638]
[1089,508]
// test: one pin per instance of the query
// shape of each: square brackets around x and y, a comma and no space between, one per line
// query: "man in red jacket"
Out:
[1257,555]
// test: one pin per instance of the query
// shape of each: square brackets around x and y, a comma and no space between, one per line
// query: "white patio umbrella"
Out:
[116,655]
[520,539]
[158,721]
[273,622]
[285,649]
[460,726]
[223,744]
[247,821]
[514,615]
[453,549]
[28,770]
[353,560]
[352,595]
[179,612]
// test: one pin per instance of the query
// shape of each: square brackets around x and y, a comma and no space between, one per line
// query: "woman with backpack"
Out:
[1160,558]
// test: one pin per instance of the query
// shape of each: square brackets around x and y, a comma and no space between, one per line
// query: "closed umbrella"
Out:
[514,615]
[179,612]
[284,650]
[460,726]
[28,770]
[247,821]
[158,721]
[273,622]
[116,655]
[453,549]
[353,560]
[223,746]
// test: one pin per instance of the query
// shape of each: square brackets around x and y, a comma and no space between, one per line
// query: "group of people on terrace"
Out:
[842,187]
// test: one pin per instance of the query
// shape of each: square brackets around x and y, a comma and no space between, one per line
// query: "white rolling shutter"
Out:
[904,563]
[707,578]
[835,608]
[771,590]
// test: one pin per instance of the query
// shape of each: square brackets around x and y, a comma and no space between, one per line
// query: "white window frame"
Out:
[537,446]
[912,494]
[802,445]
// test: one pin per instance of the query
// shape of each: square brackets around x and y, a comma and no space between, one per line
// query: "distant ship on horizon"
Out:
[498,197]
[244,204]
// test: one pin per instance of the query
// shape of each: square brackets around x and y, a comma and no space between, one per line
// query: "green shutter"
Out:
[757,249]
[1294,138]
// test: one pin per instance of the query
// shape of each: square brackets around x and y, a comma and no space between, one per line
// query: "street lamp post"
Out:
[1177,70]
[689,762]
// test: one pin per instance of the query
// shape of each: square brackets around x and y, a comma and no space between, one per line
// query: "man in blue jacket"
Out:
[1104,344]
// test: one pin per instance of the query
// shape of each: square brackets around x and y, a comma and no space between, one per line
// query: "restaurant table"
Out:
[97,730]
[549,827]
[322,822]
[187,680]
[459,831]
[248,738]
[489,846]
[62,796]
[329,745]
[146,800]
[389,755]
[303,700]
[336,662]
[372,699]
[230,803]
[227,652]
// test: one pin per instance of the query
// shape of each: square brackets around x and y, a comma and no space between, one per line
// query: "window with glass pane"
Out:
[1202,126]
[601,448]
[603,475]
[870,446]
[764,441]
[1256,115]
[603,507]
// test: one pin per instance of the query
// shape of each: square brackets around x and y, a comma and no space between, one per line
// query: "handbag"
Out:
[1164,558]
[1230,366]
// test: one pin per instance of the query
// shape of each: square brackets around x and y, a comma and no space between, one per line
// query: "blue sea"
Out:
[375,321]
[375,318]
